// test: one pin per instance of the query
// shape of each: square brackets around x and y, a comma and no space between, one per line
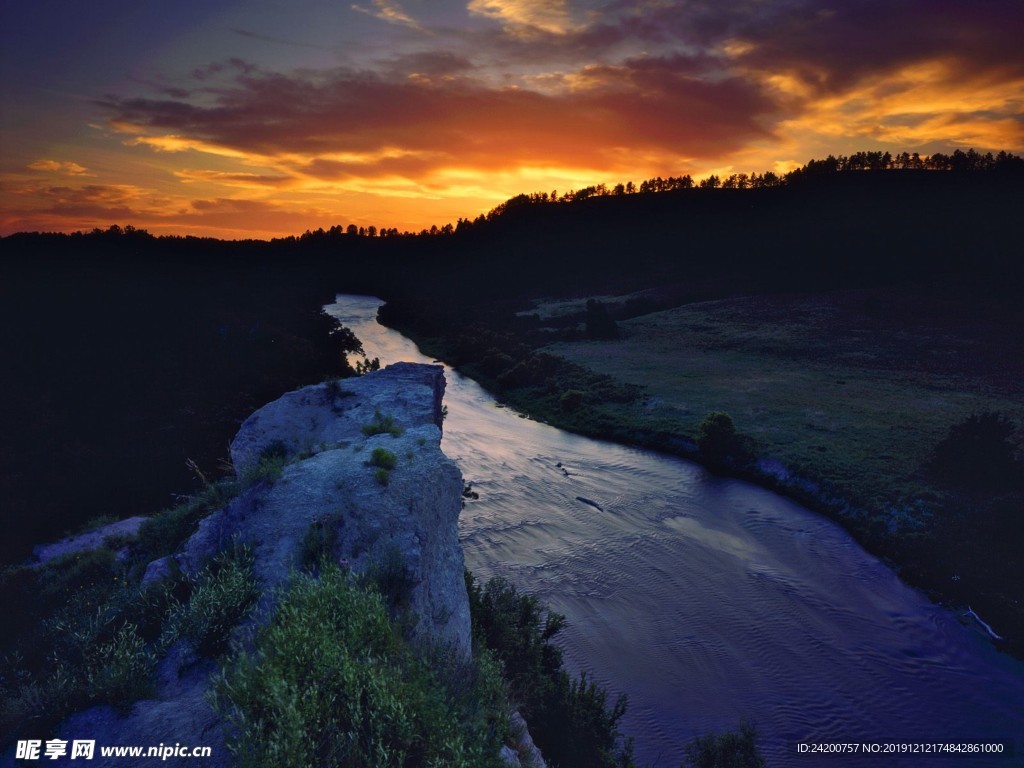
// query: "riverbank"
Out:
[840,398]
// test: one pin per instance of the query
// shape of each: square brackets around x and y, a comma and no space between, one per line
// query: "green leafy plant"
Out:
[223,596]
[268,467]
[570,718]
[383,462]
[390,577]
[163,533]
[382,424]
[320,541]
[91,640]
[330,682]
[382,457]
[119,672]
[725,750]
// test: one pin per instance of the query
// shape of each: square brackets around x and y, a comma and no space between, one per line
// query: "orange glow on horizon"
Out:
[267,154]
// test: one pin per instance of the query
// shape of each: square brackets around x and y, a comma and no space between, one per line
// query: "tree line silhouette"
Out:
[960,161]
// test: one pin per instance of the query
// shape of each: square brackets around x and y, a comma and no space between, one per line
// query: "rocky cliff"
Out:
[327,436]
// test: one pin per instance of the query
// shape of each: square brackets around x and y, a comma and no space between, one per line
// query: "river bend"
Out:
[711,600]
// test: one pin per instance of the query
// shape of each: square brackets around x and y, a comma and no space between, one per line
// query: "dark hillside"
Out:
[125,356]
[864,227]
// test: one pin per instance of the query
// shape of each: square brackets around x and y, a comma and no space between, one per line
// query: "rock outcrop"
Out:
[326,434]
[329,480]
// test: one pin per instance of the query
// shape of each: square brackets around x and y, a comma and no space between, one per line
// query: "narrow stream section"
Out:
[710,601]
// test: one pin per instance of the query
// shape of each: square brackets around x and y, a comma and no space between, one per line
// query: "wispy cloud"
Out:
[526,16]
[390,11]
[57,166]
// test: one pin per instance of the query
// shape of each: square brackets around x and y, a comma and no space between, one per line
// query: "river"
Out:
[709,601]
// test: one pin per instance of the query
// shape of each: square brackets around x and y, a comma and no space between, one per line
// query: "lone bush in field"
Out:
[717,439]
[978,454]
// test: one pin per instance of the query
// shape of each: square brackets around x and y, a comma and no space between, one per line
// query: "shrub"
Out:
[382,457]
[725,750]
[268,467]
[224,594]
[163,533]
[320,541]
[978,453]
[570,400]
[389,576]
[330,682]
[599,323]
[87,644]
[366,365]
[382,424]
[119,672]
[570,718]
[717,439]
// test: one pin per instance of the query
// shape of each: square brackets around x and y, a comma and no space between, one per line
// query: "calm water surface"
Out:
[709,601]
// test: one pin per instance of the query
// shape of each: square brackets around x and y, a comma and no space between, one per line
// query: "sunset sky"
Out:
[261,118]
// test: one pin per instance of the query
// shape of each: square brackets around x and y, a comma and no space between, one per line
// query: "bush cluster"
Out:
[332,682]
[570,719]
[382,424]
[96,634]
[222,597]
[383,461]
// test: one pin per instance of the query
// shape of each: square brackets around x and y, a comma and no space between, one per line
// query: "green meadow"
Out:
[850,389]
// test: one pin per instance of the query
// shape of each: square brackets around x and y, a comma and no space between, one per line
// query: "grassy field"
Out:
[851,389]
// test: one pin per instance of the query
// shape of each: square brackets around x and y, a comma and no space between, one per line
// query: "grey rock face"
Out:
[328,480]
[89,540]
[413,518]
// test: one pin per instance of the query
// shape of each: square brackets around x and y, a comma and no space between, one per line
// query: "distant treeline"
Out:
[959,161]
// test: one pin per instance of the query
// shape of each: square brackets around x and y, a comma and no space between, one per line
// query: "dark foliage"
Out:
[717,440]
[127,355]
[570,719]
[725,750]
[979,454]
[599,324]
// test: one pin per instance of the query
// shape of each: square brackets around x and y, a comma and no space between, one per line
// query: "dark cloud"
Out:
[435,63]
[657,104]
[90,194]
[833,43]
[836,44]
[830,44]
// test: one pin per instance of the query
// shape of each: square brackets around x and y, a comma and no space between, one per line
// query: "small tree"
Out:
[978,453]
[717,438]
[725,750]
[599,323]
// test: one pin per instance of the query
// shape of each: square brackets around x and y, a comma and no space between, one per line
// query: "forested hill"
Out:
[829,230]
